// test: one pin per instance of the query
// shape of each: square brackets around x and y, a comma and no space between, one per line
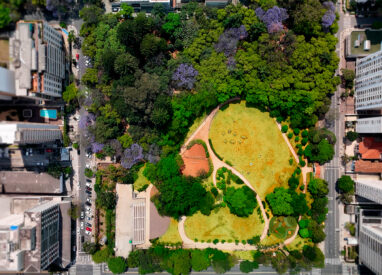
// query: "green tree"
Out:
[199,260]
[90,248]
[172,23]
[106,200]
[125,11]
[70,93]
[345,184]
[125,64]
[101,256]
[316,232]
[246,266]
[117,265]
[348,76]
[125,140]
[179,262]
[5,19]
[352,136]
[74,211]
[152,45]
[318,187]
[280,202]
[241,201]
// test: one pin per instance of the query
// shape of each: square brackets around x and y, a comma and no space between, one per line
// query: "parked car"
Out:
[88,214]
[89,193]
[89,200]
[78,230]
[88,219]
[88,189]
[89,180]
[88,184]
[82,225]
[82,239]
[88,208]
[88,224]
[88,229]
[88,233]
[87,165]
[82,215]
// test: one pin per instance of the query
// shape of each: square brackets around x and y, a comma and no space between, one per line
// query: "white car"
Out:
[88,184]
[88,213]
[82,215]
[88,232]
[88,208]
[89,200]
[87,165]
[82,225]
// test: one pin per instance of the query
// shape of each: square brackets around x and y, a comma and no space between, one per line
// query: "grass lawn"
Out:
[271,240]
[252,142]
[243,255]
[374,36]
[282,227]
[298,243]
[172,234]
[141,180]
[223,225]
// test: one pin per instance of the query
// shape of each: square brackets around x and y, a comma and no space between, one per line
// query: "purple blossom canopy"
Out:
[86,120]
[272,18]
[329,5]
[185,76]
[97,147]
[131,156]
[231,63]
[228,40]
[153,155]
[328,19]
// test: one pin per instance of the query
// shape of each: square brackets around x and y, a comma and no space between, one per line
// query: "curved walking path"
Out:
[202,133]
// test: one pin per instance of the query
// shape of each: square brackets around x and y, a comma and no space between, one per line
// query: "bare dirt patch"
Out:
[195,161]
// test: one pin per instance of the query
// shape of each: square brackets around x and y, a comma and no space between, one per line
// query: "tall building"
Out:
[30,241]
[28,133]
[370,239]
[368,82]
[371,125]
[371,190]
[7,84]
[37,57]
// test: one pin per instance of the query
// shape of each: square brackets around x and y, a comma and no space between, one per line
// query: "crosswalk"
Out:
[347,22]
[84,259]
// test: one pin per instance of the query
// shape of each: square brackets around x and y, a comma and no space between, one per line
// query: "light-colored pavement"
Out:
[202,132]
[123,220]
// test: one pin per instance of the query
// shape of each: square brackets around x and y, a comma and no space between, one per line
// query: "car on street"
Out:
[88,208]
[48,150]
[89,200]
[89,214]
[88,233]
[88,229]
[82,239]
[87,165]
[88,189]
[82,225]
[88,224]
[77,56]
[82,215]
[89,193]
[89,180]
[89,219]
[88,184]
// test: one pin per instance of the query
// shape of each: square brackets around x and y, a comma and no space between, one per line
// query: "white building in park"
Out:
[371,125]
[368,82]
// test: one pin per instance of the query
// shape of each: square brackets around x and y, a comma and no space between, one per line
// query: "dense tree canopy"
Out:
[241,201]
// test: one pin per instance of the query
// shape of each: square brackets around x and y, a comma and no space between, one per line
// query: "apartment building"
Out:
[30,241]
[371,125]
[370,239]
[371,190]
[37,58]
[7,84]
[28,133]
[368,83]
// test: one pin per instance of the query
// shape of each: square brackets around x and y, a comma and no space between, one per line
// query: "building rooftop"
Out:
[43,206]
[374,36]
[25,182]
[364,166]
[370,148]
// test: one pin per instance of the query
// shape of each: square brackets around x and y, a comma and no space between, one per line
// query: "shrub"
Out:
[75,145]
[291,161]
[302,163]
[284,128]
[208,241]
[246,266]
[296,131]
[236,242]
[215,241]
[244,242]
[279,119]
[297,139]
[304,233]
[88,173]
[304,133]
[352,136]
[290,135]
[304,141]
[117,265]
[223,241]
[101,256]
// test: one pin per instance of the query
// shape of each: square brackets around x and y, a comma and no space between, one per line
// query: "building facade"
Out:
[368,82]
[371,190]
[371,125]
[37,57]
[30,241]
[28,133]
[7,84]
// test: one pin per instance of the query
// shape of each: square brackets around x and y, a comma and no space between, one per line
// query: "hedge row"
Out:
[213,149]
[201,142]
